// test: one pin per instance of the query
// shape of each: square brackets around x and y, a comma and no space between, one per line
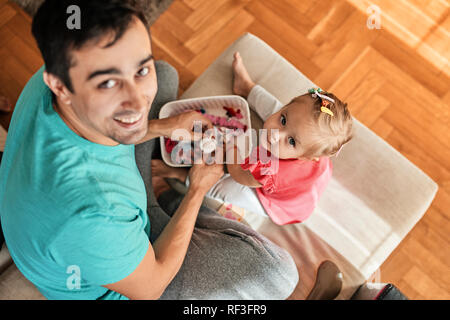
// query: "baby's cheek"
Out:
[285,153]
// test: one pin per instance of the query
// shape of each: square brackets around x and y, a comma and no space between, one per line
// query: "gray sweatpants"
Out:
[225,259]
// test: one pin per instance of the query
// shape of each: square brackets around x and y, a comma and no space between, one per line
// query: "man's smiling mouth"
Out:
[129,122]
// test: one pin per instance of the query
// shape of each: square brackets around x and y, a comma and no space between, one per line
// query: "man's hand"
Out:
[185,121]
[202,177]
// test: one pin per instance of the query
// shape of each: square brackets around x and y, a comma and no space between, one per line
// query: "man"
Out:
[77,207]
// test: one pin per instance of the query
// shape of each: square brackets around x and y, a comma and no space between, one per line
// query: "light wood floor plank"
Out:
[308,68]
[382,128]
[213,24]
[6,14]
[166,40]
[179,29]
[292,12]
[335,17]
[200,15]
[414,65]
[347,81]
[373,109]
[287,33]
[424,285]
[180,10]
[232,31]
[416,155]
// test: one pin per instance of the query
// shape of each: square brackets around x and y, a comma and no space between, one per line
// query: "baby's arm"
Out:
[240,175]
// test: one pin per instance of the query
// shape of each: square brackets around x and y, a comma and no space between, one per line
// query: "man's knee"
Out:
[280,270]
[274,272]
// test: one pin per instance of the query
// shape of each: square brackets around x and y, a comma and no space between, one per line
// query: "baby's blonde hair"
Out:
[333,130]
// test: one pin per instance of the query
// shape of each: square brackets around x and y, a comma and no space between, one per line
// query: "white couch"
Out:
[375,198]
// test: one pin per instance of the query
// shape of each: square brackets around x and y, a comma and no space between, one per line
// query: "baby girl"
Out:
[301,137]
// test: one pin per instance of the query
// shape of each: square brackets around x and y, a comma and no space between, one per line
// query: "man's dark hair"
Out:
[98,18]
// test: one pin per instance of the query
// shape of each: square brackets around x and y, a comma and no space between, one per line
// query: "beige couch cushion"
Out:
[376,195]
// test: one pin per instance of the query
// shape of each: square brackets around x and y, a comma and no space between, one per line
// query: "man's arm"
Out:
[164,259]
[165,127]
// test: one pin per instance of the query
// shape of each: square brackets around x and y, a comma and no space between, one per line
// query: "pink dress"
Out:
[291,190]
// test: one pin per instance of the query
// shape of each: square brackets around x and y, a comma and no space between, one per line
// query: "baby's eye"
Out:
[109,84]
[144,71]
[283,120]
[291,141]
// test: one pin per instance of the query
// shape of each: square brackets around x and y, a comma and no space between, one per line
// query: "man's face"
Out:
[113,87]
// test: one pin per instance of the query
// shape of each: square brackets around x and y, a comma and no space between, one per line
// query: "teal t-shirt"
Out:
[73,212]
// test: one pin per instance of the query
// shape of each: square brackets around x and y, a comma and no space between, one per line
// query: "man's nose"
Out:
[135,99]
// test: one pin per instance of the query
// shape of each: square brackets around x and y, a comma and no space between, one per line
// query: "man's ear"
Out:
[57,87]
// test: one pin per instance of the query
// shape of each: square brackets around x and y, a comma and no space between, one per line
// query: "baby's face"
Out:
[289,131]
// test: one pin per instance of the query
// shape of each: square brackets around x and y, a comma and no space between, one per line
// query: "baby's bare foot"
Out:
[242,83]
[5,106]
[159,186]
[160,169]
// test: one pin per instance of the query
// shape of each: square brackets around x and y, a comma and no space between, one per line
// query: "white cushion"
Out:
[376,195]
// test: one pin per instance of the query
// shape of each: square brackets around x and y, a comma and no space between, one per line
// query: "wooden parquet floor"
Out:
[396,80]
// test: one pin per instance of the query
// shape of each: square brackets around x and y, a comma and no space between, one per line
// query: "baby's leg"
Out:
[228,190]
[259,99]
[242,83]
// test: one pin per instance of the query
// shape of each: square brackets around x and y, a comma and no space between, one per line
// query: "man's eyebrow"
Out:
[115,70]
[144,61]
[103,72]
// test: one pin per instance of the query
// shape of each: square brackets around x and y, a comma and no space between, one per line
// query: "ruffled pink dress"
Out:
[290,188]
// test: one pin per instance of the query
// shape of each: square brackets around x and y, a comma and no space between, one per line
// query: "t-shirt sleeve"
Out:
[262,173]
[105,249]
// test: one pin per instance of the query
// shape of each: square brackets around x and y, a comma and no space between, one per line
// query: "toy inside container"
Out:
[230,116]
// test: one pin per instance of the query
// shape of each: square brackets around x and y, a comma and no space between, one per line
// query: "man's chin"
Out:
[132,138]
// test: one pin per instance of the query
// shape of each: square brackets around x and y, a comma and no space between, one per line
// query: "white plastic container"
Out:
[212,105]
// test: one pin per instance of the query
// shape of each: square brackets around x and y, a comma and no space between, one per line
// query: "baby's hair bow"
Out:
[316,92]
